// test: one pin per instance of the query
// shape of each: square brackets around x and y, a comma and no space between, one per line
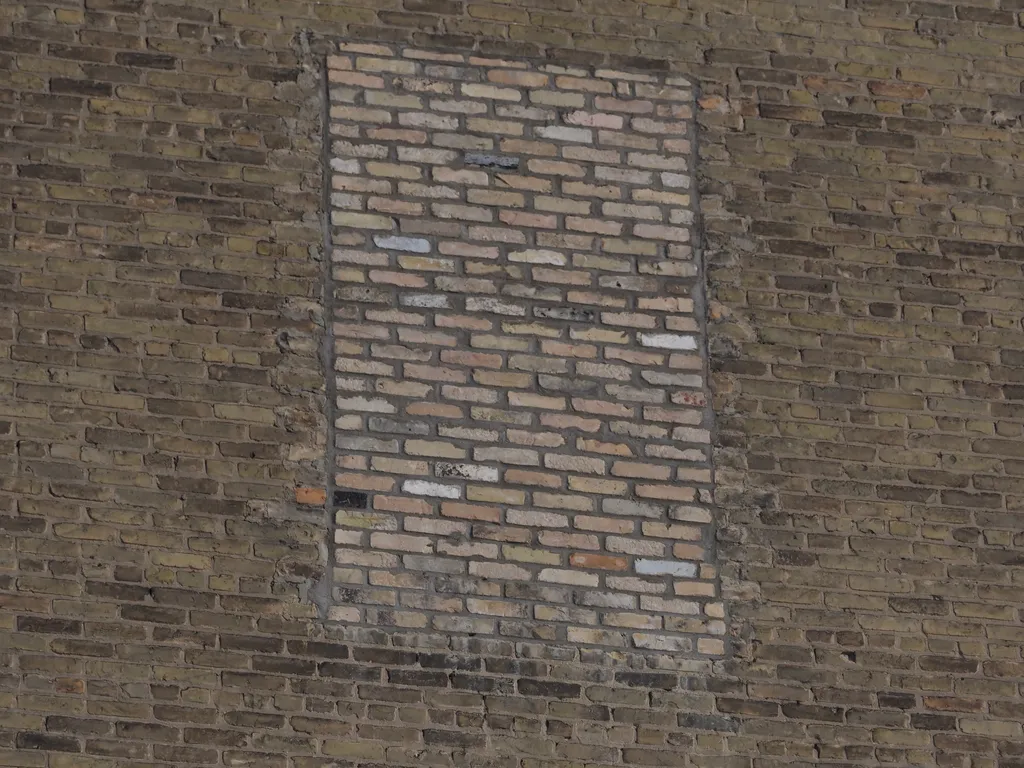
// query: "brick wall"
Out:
[164,388]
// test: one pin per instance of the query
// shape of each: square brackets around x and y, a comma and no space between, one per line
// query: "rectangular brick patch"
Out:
[521,428]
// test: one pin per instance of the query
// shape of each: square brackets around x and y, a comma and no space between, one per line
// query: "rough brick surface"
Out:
[521,422]
[163,397]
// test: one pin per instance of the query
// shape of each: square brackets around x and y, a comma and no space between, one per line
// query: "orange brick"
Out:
[312,496]
[601,562]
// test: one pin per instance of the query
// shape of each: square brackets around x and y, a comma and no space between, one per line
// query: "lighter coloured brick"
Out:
[667,341]
[560,576]
[426,488]
[535,518]
[396,243]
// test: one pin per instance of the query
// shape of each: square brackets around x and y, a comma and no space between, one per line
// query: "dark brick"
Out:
[708,723]
[80,87]
[146,60]
[214,737]
[50,173]
[152,614]
[49,626]
[453,738]
[750,708]
[948,664]
[273,74]
[147,732]
[933,722]
[319,650]
[418,677]
[554,689]
[350,500]
[660,680]
[810,712]
[349,671]
[283,665]
[47,741]
[491,161]
[483,684]
[252,643]
[804,284]
[852,119]
[79,725]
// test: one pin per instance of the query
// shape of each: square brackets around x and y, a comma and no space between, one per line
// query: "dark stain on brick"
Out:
[350,500]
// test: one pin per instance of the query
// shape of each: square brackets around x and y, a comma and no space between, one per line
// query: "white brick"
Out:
[497,306]
[343,165]
[426,300]
[425,155]
[676,180]
[538,256]
[666,568]
[564,133]
[661,232]
[397,243]
[667,341]
[425,488]
[466,471]
[365,404]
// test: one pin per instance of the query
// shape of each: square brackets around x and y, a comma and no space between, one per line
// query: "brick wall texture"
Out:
[180,285]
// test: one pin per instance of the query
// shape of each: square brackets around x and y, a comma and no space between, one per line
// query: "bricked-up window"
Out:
[521,431]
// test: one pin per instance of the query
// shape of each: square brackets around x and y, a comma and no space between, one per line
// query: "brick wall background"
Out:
[163,394]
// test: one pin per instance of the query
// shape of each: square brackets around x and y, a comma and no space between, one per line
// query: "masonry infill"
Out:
[521,431]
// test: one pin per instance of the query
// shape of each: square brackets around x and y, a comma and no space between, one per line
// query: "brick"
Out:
[600,562]
[411,244]
[426,488]
[559,576]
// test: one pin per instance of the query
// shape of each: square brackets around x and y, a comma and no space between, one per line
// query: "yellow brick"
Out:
[244,413]
[119,108]
[181,560]
[528,555]
[604,487]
